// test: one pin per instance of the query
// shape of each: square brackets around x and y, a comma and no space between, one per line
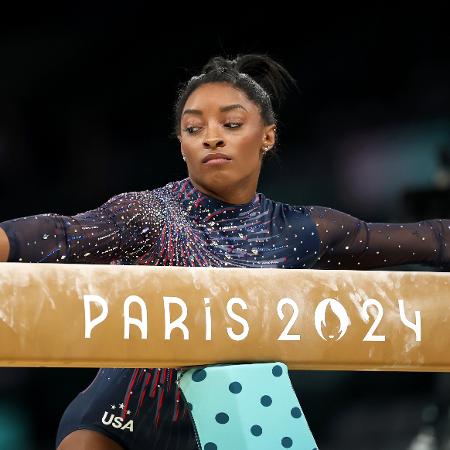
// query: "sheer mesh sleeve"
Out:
[349,243]
[101,235]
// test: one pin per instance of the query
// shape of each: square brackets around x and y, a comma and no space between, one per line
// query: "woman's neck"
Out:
[235,195]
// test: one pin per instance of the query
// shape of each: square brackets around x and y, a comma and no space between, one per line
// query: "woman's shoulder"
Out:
[284,206]
[146,194]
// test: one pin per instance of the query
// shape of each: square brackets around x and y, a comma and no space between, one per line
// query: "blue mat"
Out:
[245,407]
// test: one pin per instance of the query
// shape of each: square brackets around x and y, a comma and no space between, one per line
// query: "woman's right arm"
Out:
[4,246]
[103,235]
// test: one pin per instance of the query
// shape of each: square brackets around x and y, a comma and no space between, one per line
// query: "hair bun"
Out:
[220,64]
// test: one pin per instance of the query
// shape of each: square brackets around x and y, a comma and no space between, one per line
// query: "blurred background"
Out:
[86,95]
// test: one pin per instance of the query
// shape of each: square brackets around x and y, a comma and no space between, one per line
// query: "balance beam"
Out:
[73,315]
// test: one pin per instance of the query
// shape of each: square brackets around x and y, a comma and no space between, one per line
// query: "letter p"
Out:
[89,324]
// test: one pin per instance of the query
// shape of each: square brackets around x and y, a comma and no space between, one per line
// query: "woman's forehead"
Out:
[217,96]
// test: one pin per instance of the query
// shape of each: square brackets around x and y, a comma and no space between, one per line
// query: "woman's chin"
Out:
[218,179]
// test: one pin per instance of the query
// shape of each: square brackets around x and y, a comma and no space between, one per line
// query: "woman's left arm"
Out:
[350,243]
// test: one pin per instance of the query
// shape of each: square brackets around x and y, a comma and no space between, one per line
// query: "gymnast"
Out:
[226,123]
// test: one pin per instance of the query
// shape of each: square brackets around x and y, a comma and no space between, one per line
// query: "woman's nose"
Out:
[213,143]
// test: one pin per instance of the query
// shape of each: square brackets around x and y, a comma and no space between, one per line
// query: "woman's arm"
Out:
[101,235]
[4,246]
[349,243]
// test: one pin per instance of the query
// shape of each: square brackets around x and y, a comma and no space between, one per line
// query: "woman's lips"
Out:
[217,161]
[214,159]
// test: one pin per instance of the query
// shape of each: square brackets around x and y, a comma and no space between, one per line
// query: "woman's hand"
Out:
[4,246]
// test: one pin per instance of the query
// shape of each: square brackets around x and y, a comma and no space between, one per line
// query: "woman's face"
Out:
[222,139]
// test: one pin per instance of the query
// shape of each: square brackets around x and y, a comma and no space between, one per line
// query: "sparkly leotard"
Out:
[178,225]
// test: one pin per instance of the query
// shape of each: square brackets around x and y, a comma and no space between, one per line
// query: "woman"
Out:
[225,122]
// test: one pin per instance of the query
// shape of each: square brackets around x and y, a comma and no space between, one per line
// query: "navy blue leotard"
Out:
[178,225]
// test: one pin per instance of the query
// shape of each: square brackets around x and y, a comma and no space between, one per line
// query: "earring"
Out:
[184,157]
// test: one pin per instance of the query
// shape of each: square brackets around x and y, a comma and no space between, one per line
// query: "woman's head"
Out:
[225,119]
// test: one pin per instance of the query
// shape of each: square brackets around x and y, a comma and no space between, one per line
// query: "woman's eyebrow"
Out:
[230,107]
[196,112]
[226,108]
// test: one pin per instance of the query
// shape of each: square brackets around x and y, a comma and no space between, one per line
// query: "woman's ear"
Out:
[269,137]
[181,148]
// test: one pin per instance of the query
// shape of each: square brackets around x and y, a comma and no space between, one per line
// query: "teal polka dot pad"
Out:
[245,407]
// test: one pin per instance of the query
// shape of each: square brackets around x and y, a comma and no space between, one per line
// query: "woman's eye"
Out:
[191,130]
[233,124]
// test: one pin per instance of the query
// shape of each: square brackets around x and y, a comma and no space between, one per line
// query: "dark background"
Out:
[86,95]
